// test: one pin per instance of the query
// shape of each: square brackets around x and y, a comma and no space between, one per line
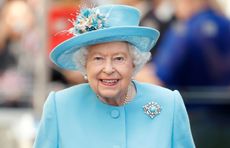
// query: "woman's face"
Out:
[109,68]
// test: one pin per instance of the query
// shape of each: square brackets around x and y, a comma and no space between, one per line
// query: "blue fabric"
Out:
[76,118]
[196,53]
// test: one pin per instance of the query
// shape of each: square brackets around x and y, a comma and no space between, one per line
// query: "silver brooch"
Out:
[152,109]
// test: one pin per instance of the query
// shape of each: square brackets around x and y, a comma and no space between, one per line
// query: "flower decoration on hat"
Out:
[88,19]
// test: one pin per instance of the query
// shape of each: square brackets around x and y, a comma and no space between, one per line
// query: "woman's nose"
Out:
[108,67]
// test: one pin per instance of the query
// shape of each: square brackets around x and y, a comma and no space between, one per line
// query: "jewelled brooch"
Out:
[152,109]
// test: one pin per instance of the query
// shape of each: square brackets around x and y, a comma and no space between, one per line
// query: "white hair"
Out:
[139,58]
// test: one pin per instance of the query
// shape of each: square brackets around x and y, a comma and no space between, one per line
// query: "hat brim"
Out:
[144,38]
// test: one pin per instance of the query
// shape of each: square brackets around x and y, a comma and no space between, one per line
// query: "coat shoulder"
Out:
[74,94]
[157,93]
[153,89]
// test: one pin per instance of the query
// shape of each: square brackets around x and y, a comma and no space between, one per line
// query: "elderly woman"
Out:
[112,110]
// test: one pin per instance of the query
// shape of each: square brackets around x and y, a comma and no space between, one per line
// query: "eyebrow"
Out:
[120,54]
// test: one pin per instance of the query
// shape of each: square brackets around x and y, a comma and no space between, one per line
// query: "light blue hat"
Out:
[101,24]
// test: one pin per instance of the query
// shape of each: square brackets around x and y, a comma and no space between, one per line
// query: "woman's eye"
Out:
[98,58]
[119,58]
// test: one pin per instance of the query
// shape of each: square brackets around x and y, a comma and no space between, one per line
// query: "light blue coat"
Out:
[76,118]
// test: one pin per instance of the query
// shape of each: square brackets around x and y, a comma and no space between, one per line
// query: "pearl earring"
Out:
[85,77]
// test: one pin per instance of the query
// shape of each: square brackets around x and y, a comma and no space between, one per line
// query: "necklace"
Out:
[126,100]
[128,96]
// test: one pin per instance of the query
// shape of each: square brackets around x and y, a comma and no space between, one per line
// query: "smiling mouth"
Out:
[109,82]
